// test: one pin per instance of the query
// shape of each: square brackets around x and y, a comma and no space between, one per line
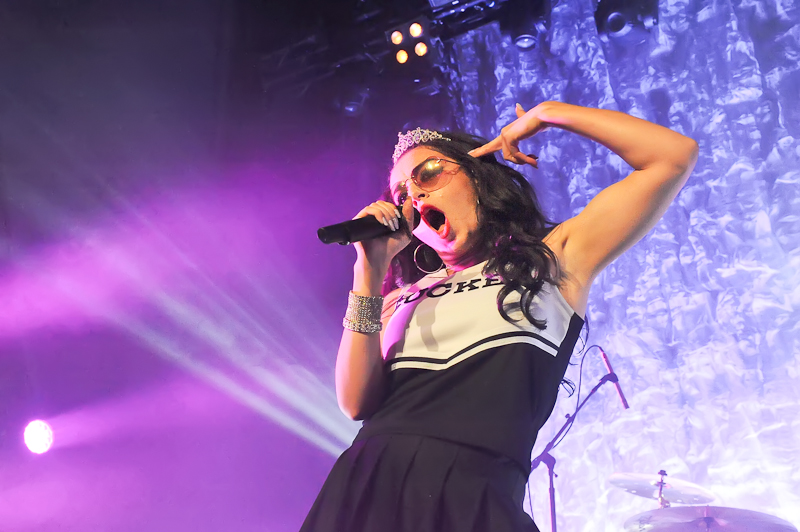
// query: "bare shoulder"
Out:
[575,286]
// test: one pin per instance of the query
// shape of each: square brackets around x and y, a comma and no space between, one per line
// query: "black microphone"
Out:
[615,379]
[364,228]
[353,231]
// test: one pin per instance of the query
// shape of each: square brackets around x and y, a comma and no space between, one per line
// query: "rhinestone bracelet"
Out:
[363,313]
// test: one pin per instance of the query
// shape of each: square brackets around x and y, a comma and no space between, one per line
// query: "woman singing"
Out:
[455,371]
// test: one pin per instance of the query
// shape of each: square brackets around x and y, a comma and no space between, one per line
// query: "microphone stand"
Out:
[547,459]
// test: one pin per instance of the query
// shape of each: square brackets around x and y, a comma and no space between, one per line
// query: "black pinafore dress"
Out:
[449,449]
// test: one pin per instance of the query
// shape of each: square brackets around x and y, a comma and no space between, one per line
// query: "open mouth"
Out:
[435,219]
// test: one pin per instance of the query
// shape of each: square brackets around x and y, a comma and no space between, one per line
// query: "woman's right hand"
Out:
[377,253]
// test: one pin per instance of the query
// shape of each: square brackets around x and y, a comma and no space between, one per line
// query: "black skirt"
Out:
[406,483]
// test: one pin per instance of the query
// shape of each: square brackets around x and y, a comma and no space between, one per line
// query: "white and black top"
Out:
[460,372]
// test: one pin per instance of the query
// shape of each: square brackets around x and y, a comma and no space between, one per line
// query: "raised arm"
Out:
[620,215]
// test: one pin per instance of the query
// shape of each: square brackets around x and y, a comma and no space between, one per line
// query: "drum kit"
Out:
[696,518]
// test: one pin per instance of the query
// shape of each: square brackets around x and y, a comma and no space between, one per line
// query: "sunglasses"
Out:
[427,176]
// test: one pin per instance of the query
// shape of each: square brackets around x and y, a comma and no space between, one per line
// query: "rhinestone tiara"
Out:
[411,139]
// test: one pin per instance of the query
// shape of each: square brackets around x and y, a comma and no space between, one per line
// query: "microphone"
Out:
[614,379]
[365,228]
[356,230]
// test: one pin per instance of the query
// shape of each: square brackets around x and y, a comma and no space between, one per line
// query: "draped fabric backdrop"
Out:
[700,318]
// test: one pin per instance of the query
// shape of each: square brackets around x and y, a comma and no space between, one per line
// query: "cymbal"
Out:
[679,491]
[706,519]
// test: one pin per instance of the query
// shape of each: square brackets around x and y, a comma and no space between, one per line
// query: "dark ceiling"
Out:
[299,45]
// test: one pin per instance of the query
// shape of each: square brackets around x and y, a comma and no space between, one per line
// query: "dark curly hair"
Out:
[511,227]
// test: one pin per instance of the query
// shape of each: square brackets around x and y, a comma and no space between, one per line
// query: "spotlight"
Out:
[525,20]
[617,24]
[627,22]
[38,436]
[526,34]
[412,35]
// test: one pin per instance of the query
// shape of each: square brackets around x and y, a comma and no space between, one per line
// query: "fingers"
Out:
[408,215]
[512,154]
[508,142]
[384,212]
[490,147]
[531,159]
[510,151]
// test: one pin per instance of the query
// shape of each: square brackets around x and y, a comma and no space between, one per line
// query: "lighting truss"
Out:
[291,70]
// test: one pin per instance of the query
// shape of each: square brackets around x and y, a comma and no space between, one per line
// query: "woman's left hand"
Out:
[525,126]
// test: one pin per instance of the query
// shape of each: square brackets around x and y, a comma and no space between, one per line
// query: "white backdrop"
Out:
[700,319]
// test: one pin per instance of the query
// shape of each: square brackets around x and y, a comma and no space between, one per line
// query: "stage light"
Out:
[207,326]
[38,437]
[525,21]
[525,40]
[617,24]
[412,35]
[624,21]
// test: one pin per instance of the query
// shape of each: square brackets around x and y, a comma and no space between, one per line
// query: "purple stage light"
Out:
[38,437]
